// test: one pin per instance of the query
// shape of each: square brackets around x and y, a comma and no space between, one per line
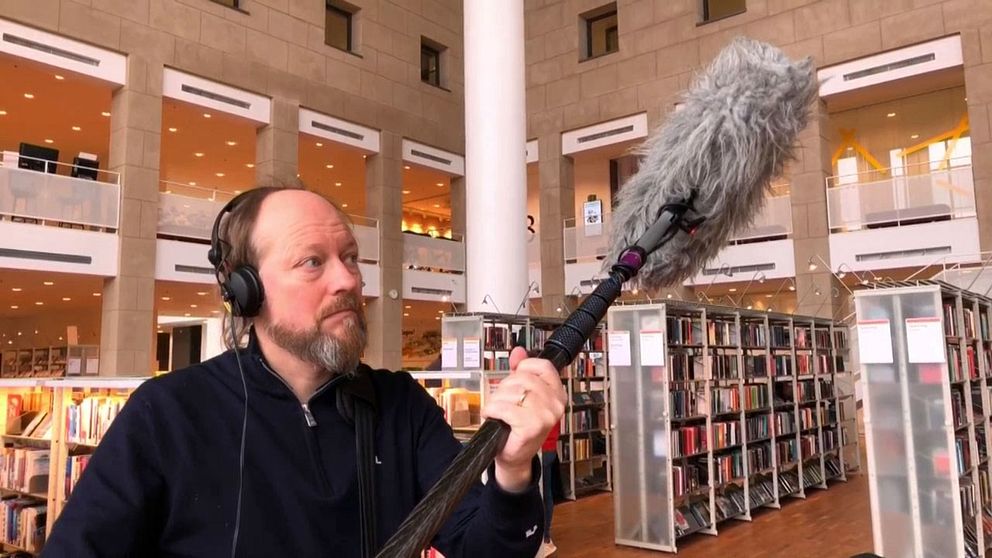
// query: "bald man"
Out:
[165,479]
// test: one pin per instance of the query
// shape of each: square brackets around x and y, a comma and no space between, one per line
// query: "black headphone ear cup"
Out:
[245,288]
[214,256]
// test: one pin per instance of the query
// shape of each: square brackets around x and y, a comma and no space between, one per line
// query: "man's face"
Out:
[308,263]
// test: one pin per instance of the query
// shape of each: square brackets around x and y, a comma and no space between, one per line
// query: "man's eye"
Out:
[312,262]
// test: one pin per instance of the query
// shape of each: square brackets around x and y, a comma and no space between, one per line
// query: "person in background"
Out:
[549,456]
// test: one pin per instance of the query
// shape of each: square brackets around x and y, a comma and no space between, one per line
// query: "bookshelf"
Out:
[49,428]
[925,350]
[718,412]
[50,362]
[479,344]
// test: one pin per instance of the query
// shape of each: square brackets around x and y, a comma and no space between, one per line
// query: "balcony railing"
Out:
[590,241]
[57,197]
[188,212]
[900,197]
[433,254]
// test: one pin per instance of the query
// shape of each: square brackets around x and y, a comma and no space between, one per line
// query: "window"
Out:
[430,62]
[599,31]
[339,25]
[713,10]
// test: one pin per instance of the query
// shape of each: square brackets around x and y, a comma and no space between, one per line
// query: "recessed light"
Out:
[733,289]
[890,115]
[206,115]
[337,183]
[437,318]
[231,143]
[29,95]
[192,306]
[16,289]
[49,140]
[768,296]
[166,298]
[192,183]
[237,191]
[14,307]
[406,314]
[105,113]
[39,303]
[914,136]
[169,192]
[60,337]
[437,205]
[66,299]
[215,311]
[36,332]
[219,174]
[198,154]
[329,166]
[202,293]
[440,183]
[173,130]
[406,191]
[96,294]
[58,77]
[320,144]
[408,307]
[76,128]
[3,113]
[250,165]
[187,314]
[344,205]
[48,283]
[406,167]
[792,287]
[19,333]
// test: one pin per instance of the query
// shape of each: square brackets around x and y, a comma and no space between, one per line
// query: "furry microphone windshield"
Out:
[736,129]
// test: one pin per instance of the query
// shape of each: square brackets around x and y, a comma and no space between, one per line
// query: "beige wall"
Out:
[592,176]
[51,326]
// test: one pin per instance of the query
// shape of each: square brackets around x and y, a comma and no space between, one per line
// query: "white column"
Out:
[495,157]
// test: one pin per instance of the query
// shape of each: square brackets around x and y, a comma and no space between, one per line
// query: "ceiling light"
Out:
[406,314]
[49,140]
[13,307]
[105,113]
[206,115]
[29,95]
[406,191]
[18,333]
[408,307]
[437,205]
[165,298]
[10,341]
[187,314]
[914,136]
[48,283]
[58,77]
[39,303]
[36,332]
[231,143]
[96,294]
[792,287]
[60,337]
[76,128]
[337,183]
[320,144]
[329,166]
[16,289]
[192,183]
[215,311]
[669,295]
[733,289]
[198,154]
[192,306]
[202,293]
[890,115]
[219,174]
[749,307]
[769,309]
[169,192]
[440,183]
[768,296]
[66,299]
[406,167]
[344,205]
[3,113]
[250,165]
[173,129]
[237,191]
[437,318]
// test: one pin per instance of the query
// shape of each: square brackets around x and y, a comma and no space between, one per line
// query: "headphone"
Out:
[241,288]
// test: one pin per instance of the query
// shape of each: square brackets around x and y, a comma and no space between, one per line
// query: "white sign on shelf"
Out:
[449,352]
[619,347]
[473,353]
[925,340]
[875,342]
[593,213]
[652,348]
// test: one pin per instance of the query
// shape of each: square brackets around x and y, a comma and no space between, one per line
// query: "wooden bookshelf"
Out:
[719,411]
[926,412]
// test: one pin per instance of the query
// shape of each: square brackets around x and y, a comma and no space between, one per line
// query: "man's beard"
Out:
[339,355]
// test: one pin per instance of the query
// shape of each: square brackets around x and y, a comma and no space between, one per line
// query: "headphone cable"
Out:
[244,429]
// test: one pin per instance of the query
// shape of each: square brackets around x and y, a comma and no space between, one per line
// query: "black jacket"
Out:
[164,480]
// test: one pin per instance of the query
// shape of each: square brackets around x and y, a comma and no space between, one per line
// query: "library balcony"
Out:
[58,217]
[903,216]
[433,267]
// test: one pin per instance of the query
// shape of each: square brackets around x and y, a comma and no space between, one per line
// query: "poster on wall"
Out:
[592,212]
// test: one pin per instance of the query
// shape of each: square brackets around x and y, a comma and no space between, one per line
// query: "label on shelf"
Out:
[924,340]
[875,342]
[473,353]
[449,352]
[652,348]
[619,351]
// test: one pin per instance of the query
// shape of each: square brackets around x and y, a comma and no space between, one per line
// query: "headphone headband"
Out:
[240,287]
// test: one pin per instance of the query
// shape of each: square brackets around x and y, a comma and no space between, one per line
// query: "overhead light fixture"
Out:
[36,332]
[104,113]
[406,167]
[192,306]
[769,309]
[206,115]
[811,264]
[669,295]
[219,174]
[406,191]
[166,298]
[215,311]
[13,307]
[440,183]
[29,95]
[19,333]
[66,299]
[48,283]
[237,191]
[329,166]
[344,205]
[320,144]
[49,140]
[337,183]
[202,293]
[733,289]
[437,205]
[749,306]
[60,337]
[187,314]
[250,165]
[890,115]
[39,303]
[768,296]
[96,294]
[914,136]
[406,314]
[3,113]
[408,307]
[76,128]
[16,289]
[231,143]
[198,154]
[58,77]
[173,129]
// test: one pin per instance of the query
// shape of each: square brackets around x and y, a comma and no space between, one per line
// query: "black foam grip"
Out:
[416,532]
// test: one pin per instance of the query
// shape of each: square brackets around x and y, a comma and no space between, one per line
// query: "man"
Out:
[164,481]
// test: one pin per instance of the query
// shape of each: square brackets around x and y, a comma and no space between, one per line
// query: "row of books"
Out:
[683,331]
[724,367]
[810,445]
[780,336]
[962,452]
[784,423]
[721,333]
[822,338]
[75,465]
[33,424]
[25,469]
[758,427]
[761,491]
[984,487]
[588,365]
[833,467]
[730,503]
[968,497]
[689,440]
[806,391]
[830,440]
[812,476]
[687,478]
[496,338]
[23,521]
[584,448]
[826,389]
[759,458]
[691,518]
[686,365]
[786,451]
[807,418]
[460,406]
[23,402]
[788,483]
[585,420]
[495,362]
[958,411]
[726,434]
[685,403]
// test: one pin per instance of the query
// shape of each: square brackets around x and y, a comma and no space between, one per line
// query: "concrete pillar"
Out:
[557,204]
[458,186]
[495,156]
[384,201]
[818,292]
[277,147]
[127,338]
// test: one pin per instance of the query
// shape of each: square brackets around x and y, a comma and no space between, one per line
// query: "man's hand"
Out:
[530,400]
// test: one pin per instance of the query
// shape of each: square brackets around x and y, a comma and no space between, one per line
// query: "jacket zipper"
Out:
[307,415]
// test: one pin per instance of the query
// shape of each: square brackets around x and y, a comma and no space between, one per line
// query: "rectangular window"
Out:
[430,64]
[338,26]
[600,31]
[712,10]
